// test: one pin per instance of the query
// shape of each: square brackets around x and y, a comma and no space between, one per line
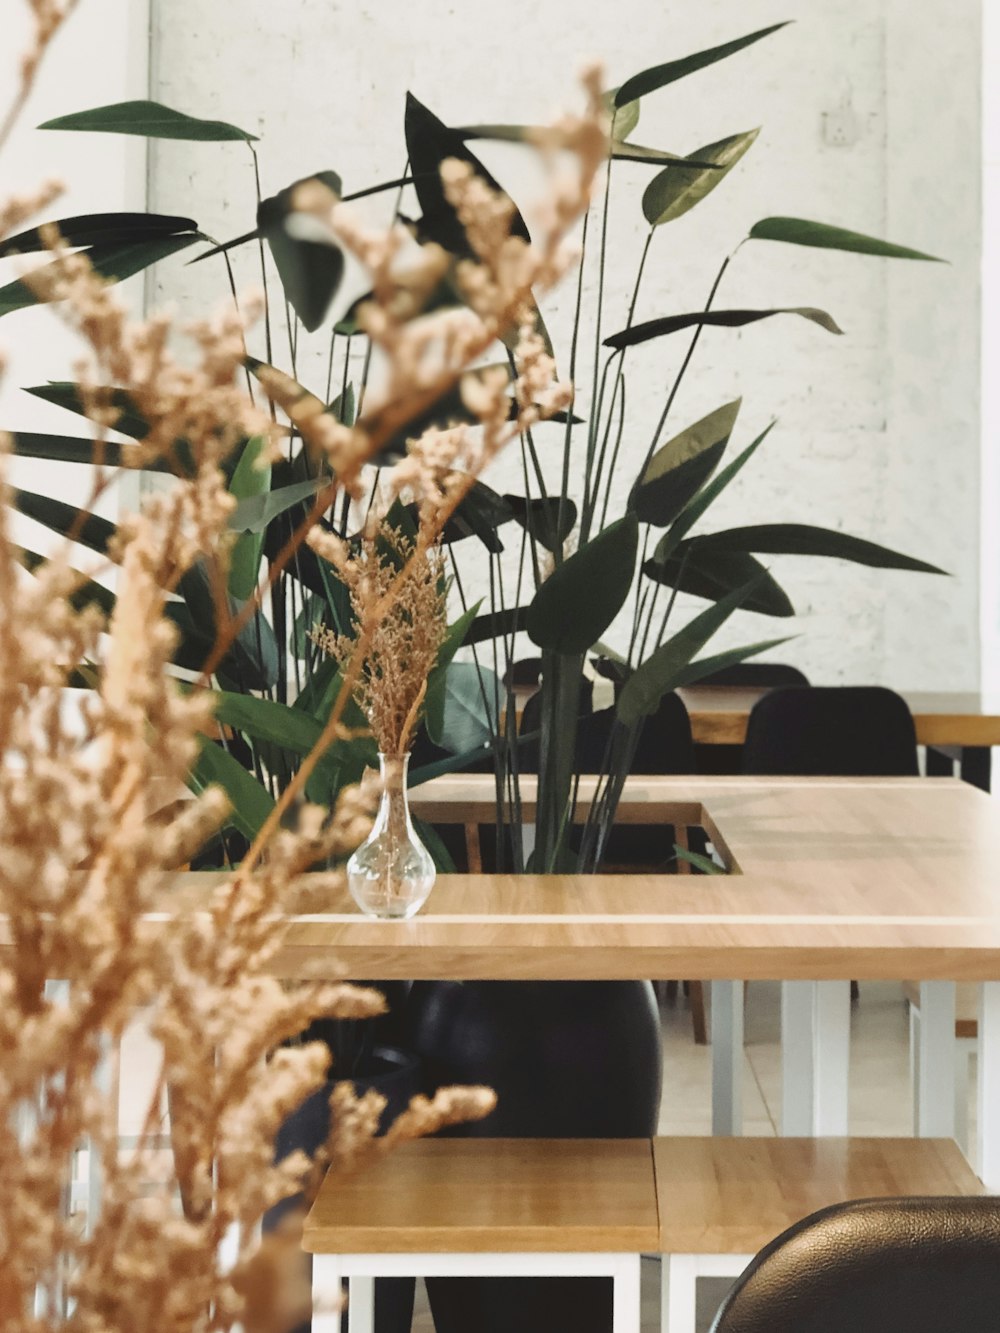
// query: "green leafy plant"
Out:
[578,560]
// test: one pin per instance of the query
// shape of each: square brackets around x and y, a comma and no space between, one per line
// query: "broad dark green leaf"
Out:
[265,720]
[681,466]
[725,319]
[252,477]
[152,120]
[112,261]
[799,231]
[659,76]
[314,611]
[623,119]
[431,839]
[429,142]
[674,192]
[714,574]
[252,660]
[652,679]
[580,599]
[470,716]
[434,704]
[806,539]
[708,494]
[309,261]
[89,530]
[452,763]
[99,229]
[256,512]
[481,512]
[250,803]
[543,519]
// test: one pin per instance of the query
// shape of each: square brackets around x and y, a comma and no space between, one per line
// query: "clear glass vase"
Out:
[391,873]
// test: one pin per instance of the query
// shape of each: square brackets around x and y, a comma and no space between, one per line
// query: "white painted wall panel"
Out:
[878,431]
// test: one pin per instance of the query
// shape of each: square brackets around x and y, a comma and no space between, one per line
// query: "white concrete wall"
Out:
[100,56]
[878,432]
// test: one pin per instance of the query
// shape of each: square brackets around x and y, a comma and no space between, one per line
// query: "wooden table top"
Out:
[719,715]
[484,1196]
[831,878]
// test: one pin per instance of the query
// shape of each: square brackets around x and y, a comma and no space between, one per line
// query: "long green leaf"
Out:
[707,666]
[250,803]
[726,319]
[113,262]
[806,539]
[620,151]
[495,624]
[252,659]
[87,593]
[89,530]
[249,479]
[542,519]
[799,231]
[265,720]
[707,496]
[98,229]
[682,465]
[715,574]
[577,603]
[652,679]
[152,120]
[70,449]
[66,394]
[659,76]
[469,715]
[255,512]
[673,193]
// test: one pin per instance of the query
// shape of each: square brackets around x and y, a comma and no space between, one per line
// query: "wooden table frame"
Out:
[832,879]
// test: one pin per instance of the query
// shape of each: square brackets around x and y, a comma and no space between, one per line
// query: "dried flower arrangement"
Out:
[98,931]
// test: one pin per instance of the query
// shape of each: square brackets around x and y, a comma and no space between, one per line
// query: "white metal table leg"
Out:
[625,1318]
[361,1305]
[831,1058]
[988,1126]
[326,1283]
[727,1057]
[798,1003]
[935,1062]
[677,1294]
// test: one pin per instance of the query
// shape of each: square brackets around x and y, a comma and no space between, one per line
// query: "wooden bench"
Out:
[487,1208]
[721,1199]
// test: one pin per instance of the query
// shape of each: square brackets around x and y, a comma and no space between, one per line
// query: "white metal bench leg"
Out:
[935,1062]
[625,1318]
[326,1284]
[798,1002]
[727,1057]
[679,1289]
[988,1126]
[361,1305]
[831,1058]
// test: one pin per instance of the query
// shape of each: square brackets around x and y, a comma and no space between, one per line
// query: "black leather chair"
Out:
[831,731]
[751,675]
[928,1265]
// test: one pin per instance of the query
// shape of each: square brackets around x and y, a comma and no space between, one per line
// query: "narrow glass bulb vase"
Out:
[391,873]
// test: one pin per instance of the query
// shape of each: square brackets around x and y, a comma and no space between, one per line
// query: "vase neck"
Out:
[393,770]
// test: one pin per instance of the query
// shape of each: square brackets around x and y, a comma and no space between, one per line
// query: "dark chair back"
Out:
[831,731]
[756,674]
[876,1266]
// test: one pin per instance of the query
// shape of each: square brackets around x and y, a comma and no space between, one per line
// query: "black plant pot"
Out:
[567,1060]
[396,1075]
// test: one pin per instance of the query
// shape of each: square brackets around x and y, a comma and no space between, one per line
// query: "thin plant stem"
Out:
[263,266]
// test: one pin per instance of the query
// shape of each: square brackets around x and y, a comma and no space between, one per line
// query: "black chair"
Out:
[724,759]
[916,1265]
[831,731]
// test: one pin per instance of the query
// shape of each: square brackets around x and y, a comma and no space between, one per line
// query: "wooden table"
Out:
[969,723]
[832,879]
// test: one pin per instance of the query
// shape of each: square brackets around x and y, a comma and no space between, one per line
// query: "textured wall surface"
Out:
[878,431]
